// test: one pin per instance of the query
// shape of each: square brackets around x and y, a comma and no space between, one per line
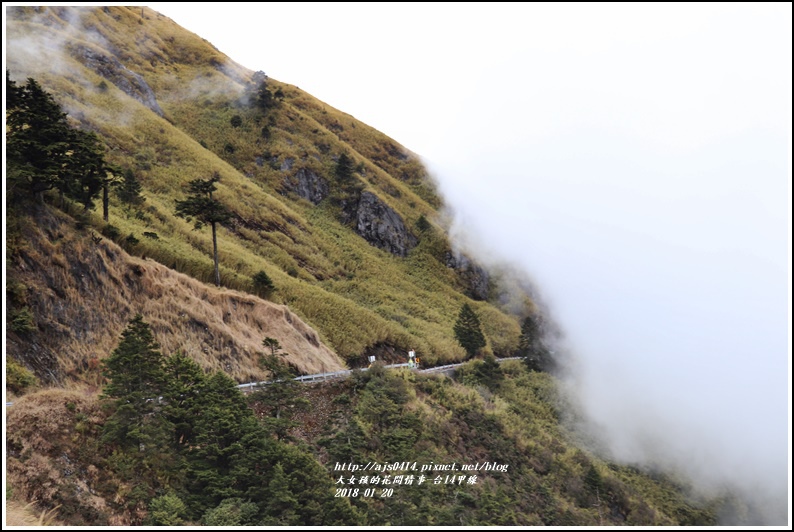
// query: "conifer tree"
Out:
[37,139]
[467,331]
[12,92]
[223,423]
[205,210]
[186,382]
[231,512]
[44,152]
[112,177]
[344,168]
[85,172]
[530,345]
[263,284]
[282,505]
[136,381]
[137,428]
[281,396]
[130,190]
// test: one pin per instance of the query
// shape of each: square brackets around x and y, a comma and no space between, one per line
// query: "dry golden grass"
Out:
[89,291]
[27,515]
[44,440]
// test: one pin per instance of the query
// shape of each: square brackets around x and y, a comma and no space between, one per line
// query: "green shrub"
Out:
[422,224]
[16,292]
[18,377]
[167,510]
[231,512]
[21,321]
[263,285]
[111,231]
[484,372]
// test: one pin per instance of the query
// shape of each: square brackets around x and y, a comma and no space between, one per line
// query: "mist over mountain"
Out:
[652,206]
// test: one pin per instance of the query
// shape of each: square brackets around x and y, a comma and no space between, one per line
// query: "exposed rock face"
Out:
[286,166]
[383,352]
[382,227]
[122,77]
[307,185]
[476,277]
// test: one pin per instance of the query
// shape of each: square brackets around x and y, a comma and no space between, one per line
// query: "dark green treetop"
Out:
[468,332]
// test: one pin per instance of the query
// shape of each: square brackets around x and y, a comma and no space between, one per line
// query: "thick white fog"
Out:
[645,186]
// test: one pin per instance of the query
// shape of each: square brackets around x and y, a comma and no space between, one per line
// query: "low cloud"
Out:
[646,191]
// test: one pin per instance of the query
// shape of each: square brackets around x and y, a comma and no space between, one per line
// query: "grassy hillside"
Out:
[82,291]
[361,299]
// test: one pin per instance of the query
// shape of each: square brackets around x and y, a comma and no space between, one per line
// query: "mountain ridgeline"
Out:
[342,223]
[178,224]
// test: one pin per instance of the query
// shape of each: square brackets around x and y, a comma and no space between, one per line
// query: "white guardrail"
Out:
[346,372]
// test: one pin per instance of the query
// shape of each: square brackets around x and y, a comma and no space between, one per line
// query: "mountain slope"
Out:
[87,289]
[356,258]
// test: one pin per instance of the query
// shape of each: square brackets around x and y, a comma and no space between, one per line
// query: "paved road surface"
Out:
[346,373]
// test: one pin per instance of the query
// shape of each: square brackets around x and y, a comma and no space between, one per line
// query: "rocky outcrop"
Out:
[475,277]
[381,226]
[384,353]
[307,185]
[122,77]
[286,166]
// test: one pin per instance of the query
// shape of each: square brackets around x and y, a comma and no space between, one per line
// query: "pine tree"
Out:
[44,152]
[136,382]
[530,345]
[186,382]
[130,190]
[137,428]
[467,331]
[206,210]
[344,168]
[37,140]
[222,426]
[281,396]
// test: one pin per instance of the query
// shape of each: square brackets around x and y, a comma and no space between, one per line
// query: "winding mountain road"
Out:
[246,388]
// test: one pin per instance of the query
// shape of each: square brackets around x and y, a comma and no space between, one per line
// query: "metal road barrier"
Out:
[318,377]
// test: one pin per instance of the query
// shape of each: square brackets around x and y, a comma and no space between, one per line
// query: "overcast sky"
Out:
[635,160]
